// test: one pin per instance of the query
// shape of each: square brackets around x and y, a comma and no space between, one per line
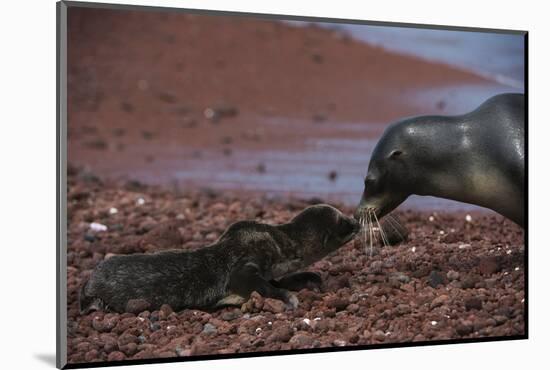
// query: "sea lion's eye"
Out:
[395,153]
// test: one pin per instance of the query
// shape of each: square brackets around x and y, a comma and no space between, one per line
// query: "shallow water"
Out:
[302,171]
[497,56]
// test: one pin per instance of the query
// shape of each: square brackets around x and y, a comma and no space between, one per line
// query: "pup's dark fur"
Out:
[248,257]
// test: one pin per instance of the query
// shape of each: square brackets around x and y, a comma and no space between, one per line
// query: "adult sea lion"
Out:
[476,158]
[249,256]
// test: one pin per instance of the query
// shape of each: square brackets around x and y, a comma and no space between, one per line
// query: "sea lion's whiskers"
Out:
[371,231]
[392,222]
[382,233]
[365,231]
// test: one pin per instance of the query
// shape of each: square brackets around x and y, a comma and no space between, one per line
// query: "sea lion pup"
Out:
[249,256]
[477,158]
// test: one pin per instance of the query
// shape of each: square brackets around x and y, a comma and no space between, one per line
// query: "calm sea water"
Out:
[496,56]
[499,57]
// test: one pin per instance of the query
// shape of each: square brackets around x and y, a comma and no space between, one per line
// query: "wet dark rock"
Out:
[436,279]
[91,238]
[473,303]
[489,265]
[464,327]
[470,281]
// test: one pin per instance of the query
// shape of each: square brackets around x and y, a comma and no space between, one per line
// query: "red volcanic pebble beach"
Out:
[452,279]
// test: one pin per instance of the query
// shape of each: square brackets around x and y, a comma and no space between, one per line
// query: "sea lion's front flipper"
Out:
[299,280]
[248,278]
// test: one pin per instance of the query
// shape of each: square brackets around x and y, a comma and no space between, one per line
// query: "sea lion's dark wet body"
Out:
[475,158]
[248,257]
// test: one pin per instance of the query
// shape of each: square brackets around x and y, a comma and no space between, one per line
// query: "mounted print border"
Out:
[196,150]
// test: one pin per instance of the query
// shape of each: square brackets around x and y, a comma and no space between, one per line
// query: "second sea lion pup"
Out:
[249,256]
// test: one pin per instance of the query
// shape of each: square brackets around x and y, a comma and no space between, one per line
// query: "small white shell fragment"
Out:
[434,323]
[441,232]
[258,331]
[140,201]
[317,319]
[523,300]
[269,323]
[113,210]
[413,249]
[468,218]
[141,319]
[96,226]
[516,269]
[463,246]
[509,251]
[505,272]
[307,321]
[431,218]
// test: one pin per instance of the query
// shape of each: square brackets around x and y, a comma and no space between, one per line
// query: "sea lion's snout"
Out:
[330,225]
[353,225]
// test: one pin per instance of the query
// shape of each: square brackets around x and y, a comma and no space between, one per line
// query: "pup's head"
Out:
[321,229]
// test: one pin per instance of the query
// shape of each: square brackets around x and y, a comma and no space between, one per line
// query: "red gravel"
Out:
[452,279]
